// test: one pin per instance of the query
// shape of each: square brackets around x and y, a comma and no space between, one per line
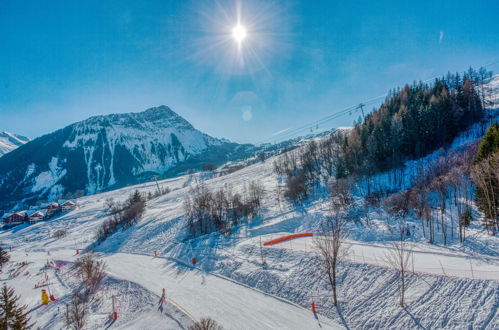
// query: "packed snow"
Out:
[453,286]
[244,285]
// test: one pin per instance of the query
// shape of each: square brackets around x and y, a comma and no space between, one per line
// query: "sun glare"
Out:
[239,33]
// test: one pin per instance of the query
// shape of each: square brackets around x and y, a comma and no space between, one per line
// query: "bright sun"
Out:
[239,33]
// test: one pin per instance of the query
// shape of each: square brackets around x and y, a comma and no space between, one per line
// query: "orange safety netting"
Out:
[285,238]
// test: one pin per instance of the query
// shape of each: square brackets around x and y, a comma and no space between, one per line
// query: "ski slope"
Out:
[233,305]
[427,259]
[367,293]
[454,286]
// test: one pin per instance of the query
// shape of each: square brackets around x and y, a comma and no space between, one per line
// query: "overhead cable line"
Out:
[289,133]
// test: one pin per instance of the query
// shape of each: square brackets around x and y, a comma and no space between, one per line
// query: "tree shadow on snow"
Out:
[414,319]
[342,318]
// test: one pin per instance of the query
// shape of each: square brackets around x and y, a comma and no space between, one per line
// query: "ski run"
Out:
[242,284]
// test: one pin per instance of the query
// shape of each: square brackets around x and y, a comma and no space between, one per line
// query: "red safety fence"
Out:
[285,238]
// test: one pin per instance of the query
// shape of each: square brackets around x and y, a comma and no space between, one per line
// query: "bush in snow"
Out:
[60,233]
[206,324]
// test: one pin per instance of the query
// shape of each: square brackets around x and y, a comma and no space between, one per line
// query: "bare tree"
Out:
[399,258]
[331,247]
[341,192]
[76,312]
[91,271]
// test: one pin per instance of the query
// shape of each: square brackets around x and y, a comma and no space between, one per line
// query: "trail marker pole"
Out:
[163,297]
[115,313]
[443,271]
[472,273]
[261,251]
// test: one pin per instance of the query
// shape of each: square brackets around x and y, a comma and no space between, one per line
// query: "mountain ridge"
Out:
[107,152]
[10,141]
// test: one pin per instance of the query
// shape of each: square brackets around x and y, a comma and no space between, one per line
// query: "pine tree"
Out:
[490,143]
[12,316]
[4,257]
[136,197]
[486,178]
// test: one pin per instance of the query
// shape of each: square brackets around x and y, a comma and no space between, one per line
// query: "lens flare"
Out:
[239,33]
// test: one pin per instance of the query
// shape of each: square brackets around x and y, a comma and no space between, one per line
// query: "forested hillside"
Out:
[414,121]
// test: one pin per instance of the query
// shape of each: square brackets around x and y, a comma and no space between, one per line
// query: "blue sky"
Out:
[63,61]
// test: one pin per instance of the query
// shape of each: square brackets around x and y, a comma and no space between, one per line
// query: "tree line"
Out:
[413,122]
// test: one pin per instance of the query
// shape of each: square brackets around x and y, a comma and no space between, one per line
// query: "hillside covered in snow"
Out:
[203,245]
[243,284]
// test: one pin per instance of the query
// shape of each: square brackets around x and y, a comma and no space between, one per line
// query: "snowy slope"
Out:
[10,141]
[453,286]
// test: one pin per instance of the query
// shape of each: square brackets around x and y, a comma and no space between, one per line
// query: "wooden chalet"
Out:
[50,208]
[16,218]
[36,215]
[67,205]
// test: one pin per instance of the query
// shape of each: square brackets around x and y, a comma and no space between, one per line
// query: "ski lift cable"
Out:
[344,111]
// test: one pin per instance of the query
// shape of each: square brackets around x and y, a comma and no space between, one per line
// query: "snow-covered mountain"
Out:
[243,284]
[110,151]
[10,141]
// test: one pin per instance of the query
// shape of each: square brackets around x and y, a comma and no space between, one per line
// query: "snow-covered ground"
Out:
[453,286]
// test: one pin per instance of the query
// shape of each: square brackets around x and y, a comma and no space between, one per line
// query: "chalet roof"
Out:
[67,202]
[47,205]
[36,213]
[19,213]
